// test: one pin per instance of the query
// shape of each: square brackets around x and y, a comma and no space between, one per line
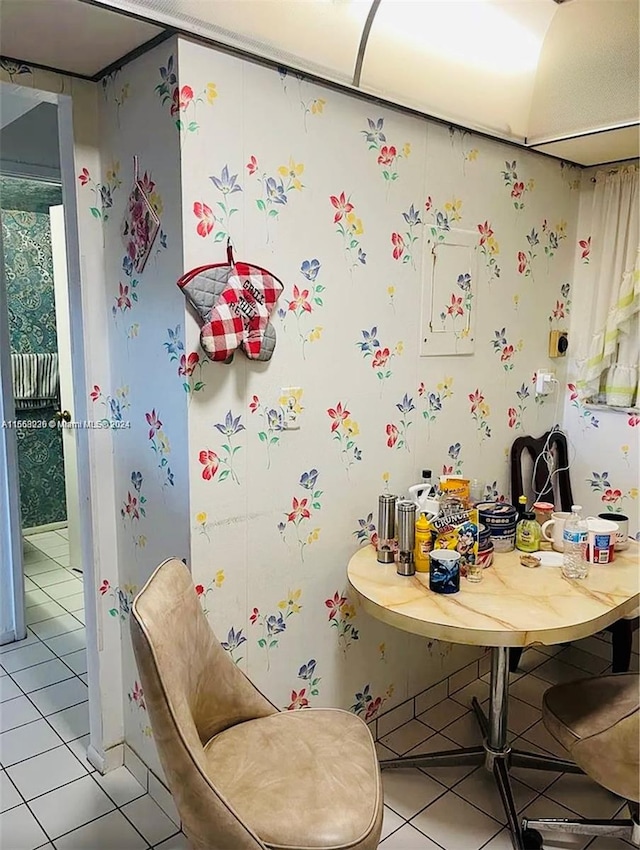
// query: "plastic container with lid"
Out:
[424,544]
[528,533]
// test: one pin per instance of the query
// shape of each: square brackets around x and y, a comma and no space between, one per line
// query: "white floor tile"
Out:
[65,588]
[77,661]
[408,838]
[29,585]
[406,737]
[59,696]
[536,779]
[120,785]
[8,689]
[446,775]
[176,842]
[479,788]
[409,791]
[530,659]
[443,713]
[43,773]
[112,830]
[19,830]
[610,844]
[538,734]
[35,596]
[384,752]
[390,822]
[84,678]
[73,603]
[37,538]
[135,766]
[71,806]
[451,822]
[463,677]
[586,661]
[530,689]
[477,689]
[16,712]
[27,741]
[33,556]
[78,747]
[502,841]
[162,796]
[9,797]
[57,547]
[47,673]
[583,796]
[62,558]
[464,731]
[48,578]
[58,626]
[30,639]
[72,722]
[557,672]
[149,819]
[521,716]
[43,611]
[65,644]
[63,532]
[37,569]
[545,808]
[80,615]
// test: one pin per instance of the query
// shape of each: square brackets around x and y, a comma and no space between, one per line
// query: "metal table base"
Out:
[495,753]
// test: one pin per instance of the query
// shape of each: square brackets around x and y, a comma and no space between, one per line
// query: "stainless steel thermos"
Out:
[406,537]
[386,527]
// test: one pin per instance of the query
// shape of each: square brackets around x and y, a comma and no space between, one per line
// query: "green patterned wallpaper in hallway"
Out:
[26,241]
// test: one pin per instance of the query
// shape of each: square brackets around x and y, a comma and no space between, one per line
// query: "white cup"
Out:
[553,529]
[600,540]
[622,534]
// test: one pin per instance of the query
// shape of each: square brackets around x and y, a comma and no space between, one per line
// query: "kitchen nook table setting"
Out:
[511,607]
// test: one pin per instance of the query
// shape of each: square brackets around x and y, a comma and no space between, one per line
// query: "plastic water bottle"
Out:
[574,562]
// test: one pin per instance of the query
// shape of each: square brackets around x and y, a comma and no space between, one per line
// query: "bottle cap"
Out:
[426,473]
[423,523]
[528,515]
[522,500]
[576,507]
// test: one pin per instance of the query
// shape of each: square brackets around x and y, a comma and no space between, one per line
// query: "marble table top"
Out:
[511,606]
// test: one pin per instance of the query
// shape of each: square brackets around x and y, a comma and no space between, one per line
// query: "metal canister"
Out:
[386,527]
[406,537]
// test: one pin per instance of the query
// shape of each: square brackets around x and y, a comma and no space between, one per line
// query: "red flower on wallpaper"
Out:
[95,393]
[380,358]
[123,302]
[131,507]
[181,99]
[522,262]
[398,245]
[585,244]
[447,470]
[206,216]
[254,616]
[84,177]
[199,589]
[428,204]
[188,364]
[634,420]
[299,510]
[300,300]
[338,414]
[209,460]
[507,353]
[573,392]
[342,205]
[392,435]
[476,398]
[255,404]
[611,495]
[518,190]
[335,604]
[455,307]
[298,700]
[137,695]
[485,232]
[252,165]
[154,423]
[387,155]
[104,587]
[372,708]
[513,416]
[558,312]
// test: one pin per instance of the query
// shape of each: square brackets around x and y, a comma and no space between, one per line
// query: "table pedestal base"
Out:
[495,753]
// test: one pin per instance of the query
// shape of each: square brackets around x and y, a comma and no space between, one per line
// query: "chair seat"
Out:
[279,774]
[596,720]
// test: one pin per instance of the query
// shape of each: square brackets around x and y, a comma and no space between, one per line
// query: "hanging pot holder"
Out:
[234,300]
[140,225]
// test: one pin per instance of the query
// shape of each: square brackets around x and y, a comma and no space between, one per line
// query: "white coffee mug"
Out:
[553,529]
[600,540]
[622,534]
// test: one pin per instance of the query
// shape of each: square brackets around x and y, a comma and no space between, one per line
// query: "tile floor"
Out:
[53,799]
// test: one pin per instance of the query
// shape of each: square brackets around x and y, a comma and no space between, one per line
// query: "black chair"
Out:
[556,488]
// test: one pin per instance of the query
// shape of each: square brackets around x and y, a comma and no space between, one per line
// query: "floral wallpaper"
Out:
[604,443]
[343,201]
[26,241]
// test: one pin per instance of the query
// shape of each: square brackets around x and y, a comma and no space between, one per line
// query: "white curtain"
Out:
[611,362]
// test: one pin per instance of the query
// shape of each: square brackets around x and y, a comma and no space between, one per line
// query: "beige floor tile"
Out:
[452,822]
[409,791]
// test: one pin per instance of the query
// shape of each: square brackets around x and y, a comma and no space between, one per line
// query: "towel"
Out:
[35,380]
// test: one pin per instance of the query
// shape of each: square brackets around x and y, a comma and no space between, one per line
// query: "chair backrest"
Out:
[558,488]
[193,690]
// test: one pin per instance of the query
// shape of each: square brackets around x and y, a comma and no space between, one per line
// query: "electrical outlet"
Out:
[291,407]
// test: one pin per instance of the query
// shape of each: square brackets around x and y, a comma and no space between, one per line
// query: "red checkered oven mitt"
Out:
[235,301]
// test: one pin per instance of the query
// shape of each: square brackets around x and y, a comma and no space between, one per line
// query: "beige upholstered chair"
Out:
[243,774]
[598,721]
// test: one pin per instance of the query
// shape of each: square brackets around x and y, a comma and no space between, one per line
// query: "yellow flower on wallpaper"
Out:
[382,649]
[493,246]
[141,541]
[624,449]
[293,172]
[471,155]
[201,518]
[391,291]
[633,493]
[314,335]
[313,536]
[399,347]
[156,202]
[530,184]
[122,392]
[516,300]
[351,427]
[317,106]
[484,409]
[163,440]
[561,228]
[406,149]
[453,208]
[296,395]
[219,578]
[385,477]
[291,603]
[113,173]
[445,388]
[348,611]
[355,224]
[519,345]
[212,92]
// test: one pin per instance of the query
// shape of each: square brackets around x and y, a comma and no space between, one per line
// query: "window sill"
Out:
[592,405]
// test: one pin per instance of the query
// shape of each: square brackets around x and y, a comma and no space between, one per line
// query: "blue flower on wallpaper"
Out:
[226,183]
[308,479]
[362,257]
[234,640]
[366,533]
[523,392]
[532,238]
[375,133]
[162,238]
[310,269]
[275,624]
[167,74]
[127,265]
[435,402]
[565,289]
[170,477]
[106,197]
[454,451]
[442,221]
[500,339]
[412,217]
[464,282]
[599,481]
[275,191]
[282,313]
[175,345]
[406,405]
[136,480]
[307,670]
[369,342]
[116,410]
[230,426]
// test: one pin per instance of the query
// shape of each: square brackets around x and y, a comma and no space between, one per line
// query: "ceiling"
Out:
[561,78]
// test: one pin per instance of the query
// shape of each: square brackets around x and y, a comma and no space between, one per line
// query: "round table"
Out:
[512,606]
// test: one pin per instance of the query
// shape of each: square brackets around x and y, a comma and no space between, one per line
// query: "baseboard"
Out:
[48,526]
[7,637]
[152,784]
[108,760]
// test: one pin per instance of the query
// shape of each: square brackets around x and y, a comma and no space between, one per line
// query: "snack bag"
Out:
[458,529]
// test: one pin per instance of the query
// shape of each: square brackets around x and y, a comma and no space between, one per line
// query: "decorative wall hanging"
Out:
[234,300]
[141,224]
